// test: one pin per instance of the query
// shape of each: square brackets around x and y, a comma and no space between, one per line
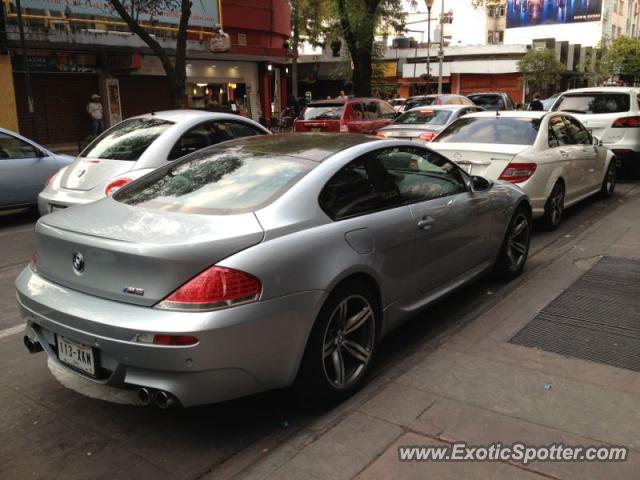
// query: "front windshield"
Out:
[500,130]
[128,140]
[423,117]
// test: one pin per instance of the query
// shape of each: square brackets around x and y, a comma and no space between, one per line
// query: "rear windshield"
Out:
[594,103]
[323,112]
[423,117]
[396,101]
[217,181]
[128,140]
[504,130]
[419,102]
[488,101]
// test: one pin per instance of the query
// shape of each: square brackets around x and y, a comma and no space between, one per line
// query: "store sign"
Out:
[220,42]
[125,62]
[48,61]
[204,13]
[531,13]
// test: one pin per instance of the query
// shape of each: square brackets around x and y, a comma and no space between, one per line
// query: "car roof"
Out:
[511,114]
[602,89]
[486,93]
[440,107]
[338,101]
[316,147]
[187,114]
[435,95]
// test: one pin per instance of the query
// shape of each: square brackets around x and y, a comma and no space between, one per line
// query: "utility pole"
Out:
[429,5]
[27,76]
[441,50]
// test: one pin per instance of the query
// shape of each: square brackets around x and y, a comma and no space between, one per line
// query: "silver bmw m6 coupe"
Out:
[260,263]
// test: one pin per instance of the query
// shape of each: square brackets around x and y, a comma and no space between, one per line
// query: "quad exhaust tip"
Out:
[32,345]
[159,398]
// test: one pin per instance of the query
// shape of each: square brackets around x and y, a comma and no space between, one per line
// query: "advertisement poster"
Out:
[531,13]
[113,101]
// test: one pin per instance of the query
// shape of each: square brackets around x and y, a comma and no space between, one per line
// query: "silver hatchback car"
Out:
[261,262]
[137,146]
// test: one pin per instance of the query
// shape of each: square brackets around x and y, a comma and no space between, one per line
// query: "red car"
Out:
[355,115]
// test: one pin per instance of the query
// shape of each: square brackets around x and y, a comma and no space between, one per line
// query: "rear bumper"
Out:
[241,350]
[49,198]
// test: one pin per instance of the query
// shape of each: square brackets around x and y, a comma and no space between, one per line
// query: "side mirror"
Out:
[480,184]
[596,141]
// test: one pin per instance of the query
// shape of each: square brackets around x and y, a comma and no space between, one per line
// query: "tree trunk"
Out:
[294,47]
[362,72]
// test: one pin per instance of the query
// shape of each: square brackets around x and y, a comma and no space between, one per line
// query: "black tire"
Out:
[515,246]
[318,378]
[609,180]
[554,208]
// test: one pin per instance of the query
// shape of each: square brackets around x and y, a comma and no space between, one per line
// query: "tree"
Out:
[541,69]
[130,10]
[356,22]
[623,58]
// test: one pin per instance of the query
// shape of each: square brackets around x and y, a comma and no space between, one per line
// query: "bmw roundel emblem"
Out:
[78,262]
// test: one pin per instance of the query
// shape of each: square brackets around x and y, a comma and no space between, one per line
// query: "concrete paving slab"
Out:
[398,404]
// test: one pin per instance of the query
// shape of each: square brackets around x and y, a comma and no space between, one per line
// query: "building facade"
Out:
[72,53]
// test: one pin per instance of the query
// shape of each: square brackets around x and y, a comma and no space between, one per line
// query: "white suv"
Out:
[611,114]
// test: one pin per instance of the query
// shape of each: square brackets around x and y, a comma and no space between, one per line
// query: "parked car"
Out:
[443,99]
[355,115]
[424,123]
[397,103]
[25,168]
[495,101]
[137,146]
[610,113]
[551,156]
[261,262]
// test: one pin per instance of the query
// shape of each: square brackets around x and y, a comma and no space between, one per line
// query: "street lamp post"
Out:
[441,50]
[429,5]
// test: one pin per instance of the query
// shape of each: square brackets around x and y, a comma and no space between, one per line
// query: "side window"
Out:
[371,111]
[359,188]
[239,129]
[452,101]
[559,130]
[386,111]
[194,139]
[466,101]
[356,111]
[578,132]
[12,148]
[421,175]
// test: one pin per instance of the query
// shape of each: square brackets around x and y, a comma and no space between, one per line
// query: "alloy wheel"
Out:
[610,181]
[556,204]
[348,341]
[518,242]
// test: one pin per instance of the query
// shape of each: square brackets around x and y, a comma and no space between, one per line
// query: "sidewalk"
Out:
[479,388]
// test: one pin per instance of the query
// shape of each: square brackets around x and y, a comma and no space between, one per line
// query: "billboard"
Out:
[531,13]
[204,13]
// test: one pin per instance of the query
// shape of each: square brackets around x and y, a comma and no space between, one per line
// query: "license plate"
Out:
[316,129]
[76,354]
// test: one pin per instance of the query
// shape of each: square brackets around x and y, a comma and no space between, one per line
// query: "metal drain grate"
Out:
[597,318]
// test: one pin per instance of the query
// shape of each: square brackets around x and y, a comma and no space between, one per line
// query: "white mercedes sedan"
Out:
[551,156]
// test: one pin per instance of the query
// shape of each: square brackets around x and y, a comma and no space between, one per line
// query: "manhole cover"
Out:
[597,318]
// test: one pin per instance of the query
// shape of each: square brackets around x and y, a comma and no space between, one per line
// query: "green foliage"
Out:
[541,69]
[623,58]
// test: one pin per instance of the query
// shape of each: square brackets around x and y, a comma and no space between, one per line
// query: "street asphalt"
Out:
[51,431]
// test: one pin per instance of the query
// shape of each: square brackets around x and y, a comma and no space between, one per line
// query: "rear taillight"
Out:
[50,179]
[344,128]
[34,261]
[170,340]
[427,136]
[626,122]
[518,172]
[116,185]
[382,134]
[216,287]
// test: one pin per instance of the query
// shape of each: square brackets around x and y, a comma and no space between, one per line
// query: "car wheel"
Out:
[341,345]
[554,208]
[609,181]
[515,246]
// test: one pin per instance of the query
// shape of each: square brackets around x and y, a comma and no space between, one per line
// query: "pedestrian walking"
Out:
[95,111]
[536,104]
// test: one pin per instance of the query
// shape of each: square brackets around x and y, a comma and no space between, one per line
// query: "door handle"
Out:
[426,223]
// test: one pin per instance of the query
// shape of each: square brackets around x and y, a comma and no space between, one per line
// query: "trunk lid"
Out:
[407,131]
[87,173]
[484,159]
[317,126]
[136,255]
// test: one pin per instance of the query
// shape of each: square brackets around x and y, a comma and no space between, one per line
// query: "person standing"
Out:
[95,111]
[343,96]
[536,104]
